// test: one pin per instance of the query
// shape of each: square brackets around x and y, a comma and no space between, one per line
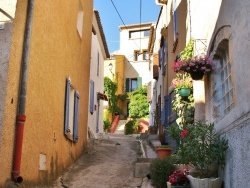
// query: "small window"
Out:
[139,33]
[79,19]
[145,55]
[136,55]
[133,83]
[71,112]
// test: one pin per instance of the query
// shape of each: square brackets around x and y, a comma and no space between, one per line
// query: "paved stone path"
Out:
[110,166]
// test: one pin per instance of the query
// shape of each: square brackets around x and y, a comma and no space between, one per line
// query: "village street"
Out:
[108,163]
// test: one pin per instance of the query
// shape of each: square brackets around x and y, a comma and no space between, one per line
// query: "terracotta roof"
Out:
[102,33]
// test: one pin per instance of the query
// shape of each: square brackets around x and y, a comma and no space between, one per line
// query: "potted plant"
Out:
[183,84]
[163,151]
[197,66]
[159,171]
[206,152]
[178,179]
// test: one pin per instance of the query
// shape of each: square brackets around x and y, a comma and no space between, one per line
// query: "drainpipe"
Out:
[21,117]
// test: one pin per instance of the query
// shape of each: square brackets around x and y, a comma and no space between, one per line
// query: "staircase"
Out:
[120,127]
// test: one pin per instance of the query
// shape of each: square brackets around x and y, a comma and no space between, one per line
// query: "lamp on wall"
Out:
[111,68]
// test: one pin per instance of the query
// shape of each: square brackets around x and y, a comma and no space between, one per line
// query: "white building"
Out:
[134,45]
[99,52]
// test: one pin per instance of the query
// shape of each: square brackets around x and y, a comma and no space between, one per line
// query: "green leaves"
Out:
[188,51]
[138,106]
[110,89]
[203,149]
[160,170]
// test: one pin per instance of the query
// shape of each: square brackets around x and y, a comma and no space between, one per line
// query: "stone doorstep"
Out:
[154,144]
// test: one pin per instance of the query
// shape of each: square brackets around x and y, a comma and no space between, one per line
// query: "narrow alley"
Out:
[107,163]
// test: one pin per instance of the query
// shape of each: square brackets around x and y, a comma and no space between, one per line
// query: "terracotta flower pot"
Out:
[163,152]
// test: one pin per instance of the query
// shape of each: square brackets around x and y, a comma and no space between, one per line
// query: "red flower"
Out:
[178,177]
[184,133]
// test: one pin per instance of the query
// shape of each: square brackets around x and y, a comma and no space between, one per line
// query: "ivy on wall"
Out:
[110,89]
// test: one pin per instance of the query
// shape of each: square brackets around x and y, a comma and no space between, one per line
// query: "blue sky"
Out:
[129,11]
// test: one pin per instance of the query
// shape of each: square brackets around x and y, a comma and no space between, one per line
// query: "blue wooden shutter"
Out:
[163,60]
[127,85]
[66,108]
[175,21]
[159,57]
[75,125]
[139,82]
[91,102]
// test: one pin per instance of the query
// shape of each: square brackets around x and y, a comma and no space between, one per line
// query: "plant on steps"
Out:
[132,127]
[160,170]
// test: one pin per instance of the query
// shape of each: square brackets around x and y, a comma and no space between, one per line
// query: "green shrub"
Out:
[132,126]
[107,125]
[138,106]
[159,171]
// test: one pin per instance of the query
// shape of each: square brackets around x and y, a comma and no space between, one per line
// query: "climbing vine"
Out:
[188,52]
[110,89]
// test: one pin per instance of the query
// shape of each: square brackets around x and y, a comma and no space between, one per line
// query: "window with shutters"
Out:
[133,83]
[163,55]
[175,24]
[71,111]
[141,56]
[175,20]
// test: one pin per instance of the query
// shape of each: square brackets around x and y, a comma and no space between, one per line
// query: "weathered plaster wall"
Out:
[235,125]
[5,42]
[56,52]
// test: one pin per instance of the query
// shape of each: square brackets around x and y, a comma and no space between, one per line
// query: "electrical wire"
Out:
[122,19]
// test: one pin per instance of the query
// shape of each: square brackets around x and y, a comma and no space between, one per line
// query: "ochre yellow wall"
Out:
[119,70]
[56,52]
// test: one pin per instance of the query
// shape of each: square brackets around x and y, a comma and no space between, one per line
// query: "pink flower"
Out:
[184,133]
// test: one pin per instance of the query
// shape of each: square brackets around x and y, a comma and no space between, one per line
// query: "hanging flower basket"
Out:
[197,75]
[197,66]
[184,92]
